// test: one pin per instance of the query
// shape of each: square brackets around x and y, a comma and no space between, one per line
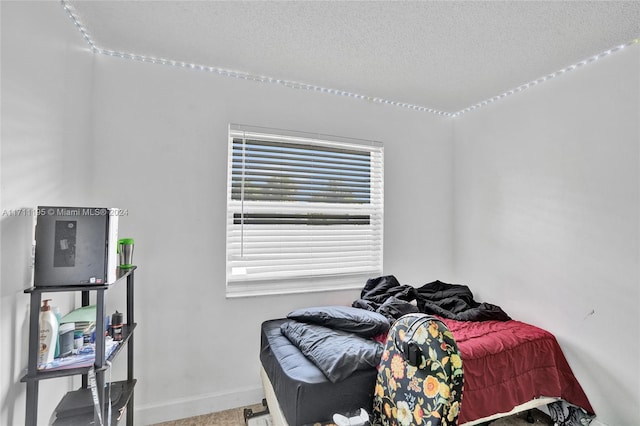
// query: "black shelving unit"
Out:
[33,375]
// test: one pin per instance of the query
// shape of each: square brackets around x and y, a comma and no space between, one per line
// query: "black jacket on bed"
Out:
[388,297]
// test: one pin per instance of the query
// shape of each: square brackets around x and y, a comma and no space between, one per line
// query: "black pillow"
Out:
[346,318]
[337,353]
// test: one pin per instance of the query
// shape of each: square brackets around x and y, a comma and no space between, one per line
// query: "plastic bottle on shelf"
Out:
[116,326]
[56,312]
[48,334]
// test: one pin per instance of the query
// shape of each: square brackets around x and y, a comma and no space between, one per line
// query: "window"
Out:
[304,212]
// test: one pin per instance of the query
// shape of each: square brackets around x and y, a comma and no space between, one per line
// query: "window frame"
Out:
[238,285]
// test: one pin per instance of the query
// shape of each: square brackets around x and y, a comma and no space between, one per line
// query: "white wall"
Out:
[161,136]
[46,147]
[546,200]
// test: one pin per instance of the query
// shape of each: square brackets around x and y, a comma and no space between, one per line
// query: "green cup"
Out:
[125,252]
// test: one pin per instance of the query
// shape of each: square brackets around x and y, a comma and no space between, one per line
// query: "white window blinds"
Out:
[304,213]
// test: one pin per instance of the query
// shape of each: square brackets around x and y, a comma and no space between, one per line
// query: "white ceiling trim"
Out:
[312,87]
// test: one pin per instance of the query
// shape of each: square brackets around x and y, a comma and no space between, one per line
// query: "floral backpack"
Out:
[420,376]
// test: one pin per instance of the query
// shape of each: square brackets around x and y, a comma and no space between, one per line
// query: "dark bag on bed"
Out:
[420,376]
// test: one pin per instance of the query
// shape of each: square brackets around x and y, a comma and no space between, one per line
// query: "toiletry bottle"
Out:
[116,326]
[48,334]
[56,312]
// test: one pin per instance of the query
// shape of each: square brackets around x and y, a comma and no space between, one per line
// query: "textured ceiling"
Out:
[445,55]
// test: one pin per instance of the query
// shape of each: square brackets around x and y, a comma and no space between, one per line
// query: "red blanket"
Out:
[507,363]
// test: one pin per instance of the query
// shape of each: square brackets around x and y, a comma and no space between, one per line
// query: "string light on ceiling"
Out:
[312,87]
[547,77]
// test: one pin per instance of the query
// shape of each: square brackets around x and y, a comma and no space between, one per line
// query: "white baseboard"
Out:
[198,405]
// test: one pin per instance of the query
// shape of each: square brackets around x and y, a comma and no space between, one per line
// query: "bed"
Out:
[509,366]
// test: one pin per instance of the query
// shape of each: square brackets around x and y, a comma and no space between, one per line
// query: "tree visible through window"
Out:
[304,212]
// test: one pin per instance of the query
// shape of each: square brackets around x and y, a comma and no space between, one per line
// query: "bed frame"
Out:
[277,416]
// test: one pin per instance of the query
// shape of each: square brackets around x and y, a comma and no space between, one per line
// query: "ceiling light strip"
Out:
[547,77]
[265,79]
[239,74]
[79,25]
[311,87]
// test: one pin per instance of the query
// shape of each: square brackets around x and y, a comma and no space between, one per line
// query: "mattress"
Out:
[304,393]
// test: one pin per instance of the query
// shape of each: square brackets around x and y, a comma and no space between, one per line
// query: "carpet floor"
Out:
[235,417]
